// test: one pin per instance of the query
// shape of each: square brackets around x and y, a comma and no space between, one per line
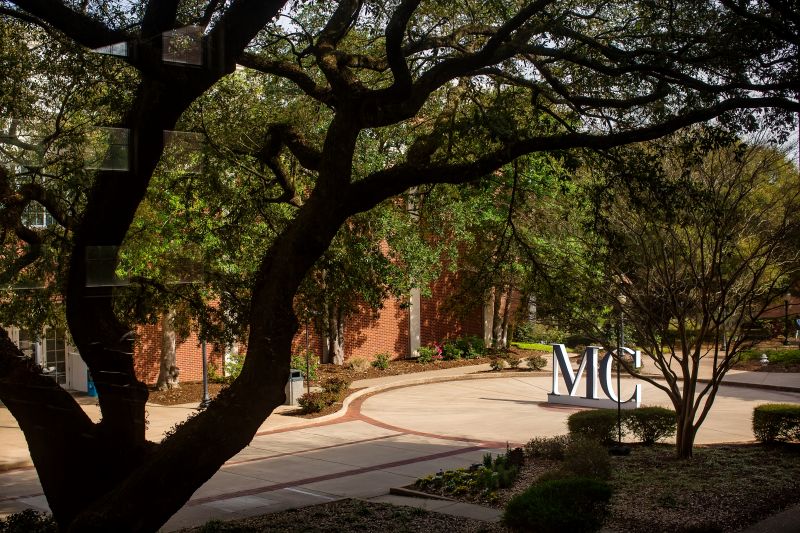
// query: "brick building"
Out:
[398,329]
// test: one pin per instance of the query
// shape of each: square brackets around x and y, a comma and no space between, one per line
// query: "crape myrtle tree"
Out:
[605,74]
[697,254]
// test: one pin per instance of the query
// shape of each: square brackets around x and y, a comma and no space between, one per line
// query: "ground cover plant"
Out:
[655,491]
[480,481]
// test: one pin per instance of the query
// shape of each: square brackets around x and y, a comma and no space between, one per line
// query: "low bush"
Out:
[425,354]
[513,361]
[358,364]
[599,425]
[776,422]
[547,447]
[787,357]
[523,332]
[651,424]
[536,362]
[497,364]
[299,363]
[28,521]
[314,402]
[586,458]
[336,387]
[576,505]
[451,351]
[381,361]
[471,346]
[548,334]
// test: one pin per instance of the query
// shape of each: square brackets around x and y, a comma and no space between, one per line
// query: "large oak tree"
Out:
[472,85]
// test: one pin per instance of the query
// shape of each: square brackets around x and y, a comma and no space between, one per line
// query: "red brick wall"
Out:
[188,355]
[443,318]
[369,333]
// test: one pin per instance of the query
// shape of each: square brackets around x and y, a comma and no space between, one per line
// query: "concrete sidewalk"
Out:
[391,432]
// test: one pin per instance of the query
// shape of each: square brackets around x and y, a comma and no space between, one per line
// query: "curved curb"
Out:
[411,382]
[400,384]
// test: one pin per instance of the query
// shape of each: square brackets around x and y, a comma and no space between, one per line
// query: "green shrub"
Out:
[425,355]
[358,364]
[536,362]
[299,363]
[547,447]
[314,402]
[381,361]
[651,424]
[586,458]
[548,334]
[776,422]
[214,375]
[523,332]
[576,505]
[774,356]
[599,425]
[233,366]
[451,351]
[513,360]
[471,346]
[336,387]
[28,521]
[497,364]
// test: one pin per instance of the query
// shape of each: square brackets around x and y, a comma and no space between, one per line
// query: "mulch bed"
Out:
[723,488]
[350,516]
[186,392]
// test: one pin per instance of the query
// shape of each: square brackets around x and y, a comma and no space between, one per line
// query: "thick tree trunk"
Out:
[334,335]
[168,370]
[166,479]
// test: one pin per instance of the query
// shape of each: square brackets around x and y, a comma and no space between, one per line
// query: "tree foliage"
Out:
[457,90]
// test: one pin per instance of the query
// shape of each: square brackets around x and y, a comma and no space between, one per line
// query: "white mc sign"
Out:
[589,364]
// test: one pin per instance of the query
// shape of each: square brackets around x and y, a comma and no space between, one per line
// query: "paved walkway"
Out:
[409,426]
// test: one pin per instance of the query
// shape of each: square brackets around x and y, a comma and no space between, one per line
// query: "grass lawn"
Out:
[534,346]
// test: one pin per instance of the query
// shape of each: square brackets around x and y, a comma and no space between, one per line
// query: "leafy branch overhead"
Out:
[338,107]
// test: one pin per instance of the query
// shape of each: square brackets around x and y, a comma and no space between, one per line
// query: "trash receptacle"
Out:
[90,390]
[294,388]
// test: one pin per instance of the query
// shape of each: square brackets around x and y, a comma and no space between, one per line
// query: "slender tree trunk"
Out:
[506,317]
[168,371]
[497,321]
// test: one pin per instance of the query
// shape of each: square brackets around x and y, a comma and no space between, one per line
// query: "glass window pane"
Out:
[183,45]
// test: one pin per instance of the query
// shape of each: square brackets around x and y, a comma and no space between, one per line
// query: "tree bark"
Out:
[334,335]
[497,321]
[168,371]
[506,316]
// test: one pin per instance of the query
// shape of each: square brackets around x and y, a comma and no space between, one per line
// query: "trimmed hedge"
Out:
[651,424]
[573,504]
[647,424]
[599,425]
[776,422]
